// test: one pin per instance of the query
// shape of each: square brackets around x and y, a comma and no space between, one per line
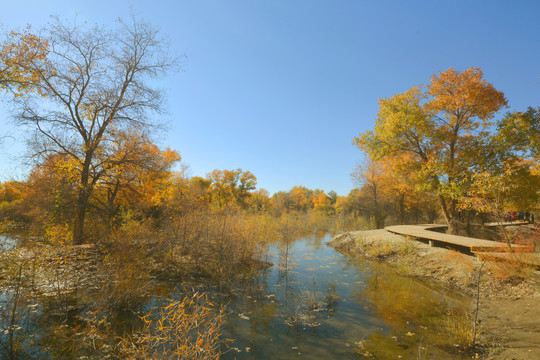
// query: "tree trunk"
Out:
[82,203]
[112,209]
[379,220]
[449,220]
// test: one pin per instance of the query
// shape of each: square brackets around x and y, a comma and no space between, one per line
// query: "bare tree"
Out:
[95,87]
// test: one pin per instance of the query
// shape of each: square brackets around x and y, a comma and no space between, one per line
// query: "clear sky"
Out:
[281,87]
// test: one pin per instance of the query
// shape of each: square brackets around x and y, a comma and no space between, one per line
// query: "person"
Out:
[532,218]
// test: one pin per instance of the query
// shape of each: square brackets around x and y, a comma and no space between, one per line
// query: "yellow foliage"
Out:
[57,234]
[183,329]
[321,201]
[429,139]
[461,96]
[22,57]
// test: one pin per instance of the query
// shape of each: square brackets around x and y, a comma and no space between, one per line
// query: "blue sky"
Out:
[281,87]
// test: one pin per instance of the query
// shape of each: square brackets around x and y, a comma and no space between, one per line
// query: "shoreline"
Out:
[509,305]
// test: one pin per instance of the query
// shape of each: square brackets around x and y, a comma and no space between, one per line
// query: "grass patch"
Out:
[378,247]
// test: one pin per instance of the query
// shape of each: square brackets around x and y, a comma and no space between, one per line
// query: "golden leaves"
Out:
[462,96]
[22,58]
[432,136]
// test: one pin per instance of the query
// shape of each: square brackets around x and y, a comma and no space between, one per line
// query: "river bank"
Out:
[509,294]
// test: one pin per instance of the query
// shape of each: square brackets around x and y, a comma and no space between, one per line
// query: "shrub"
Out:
[184,329]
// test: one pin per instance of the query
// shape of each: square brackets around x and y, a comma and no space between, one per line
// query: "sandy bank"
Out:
[510,303]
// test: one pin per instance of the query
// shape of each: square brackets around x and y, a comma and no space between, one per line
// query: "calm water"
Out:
[315,303]
[7,242]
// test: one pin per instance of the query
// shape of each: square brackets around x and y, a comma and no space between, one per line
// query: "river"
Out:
[316,303]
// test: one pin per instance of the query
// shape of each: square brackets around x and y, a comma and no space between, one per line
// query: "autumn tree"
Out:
[135,183]
[260,200]
[321,202]
[94,90]
[509,178]
[439,130]
[300,197]
[341,205]
[12,194]
[354,203]
[231,186]
[19,51]
[370,179]
[387,190]
[519,132]
[280,202]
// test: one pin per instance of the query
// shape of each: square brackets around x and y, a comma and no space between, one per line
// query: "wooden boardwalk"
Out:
[473,245]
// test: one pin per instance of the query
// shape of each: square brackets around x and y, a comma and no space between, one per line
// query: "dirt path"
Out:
[513,328]
[510,295]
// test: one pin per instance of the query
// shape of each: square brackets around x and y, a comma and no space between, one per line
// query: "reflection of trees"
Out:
[399,300]
[414,310]
[331,298]
[252,310]
[286,278]
[316,241]
[305,303]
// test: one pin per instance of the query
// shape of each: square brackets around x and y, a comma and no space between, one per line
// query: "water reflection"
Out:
[314,303]
[7,241]
[317,304]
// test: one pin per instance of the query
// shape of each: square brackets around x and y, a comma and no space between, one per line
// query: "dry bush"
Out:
[461,260]
[125,271]
[318,222]
[183,329]
[216,244]
[189,328]
[406,247]
[349,222]
[517,264]
[513,270]
[380,249]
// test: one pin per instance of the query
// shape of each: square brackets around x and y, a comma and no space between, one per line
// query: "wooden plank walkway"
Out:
[436,238]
